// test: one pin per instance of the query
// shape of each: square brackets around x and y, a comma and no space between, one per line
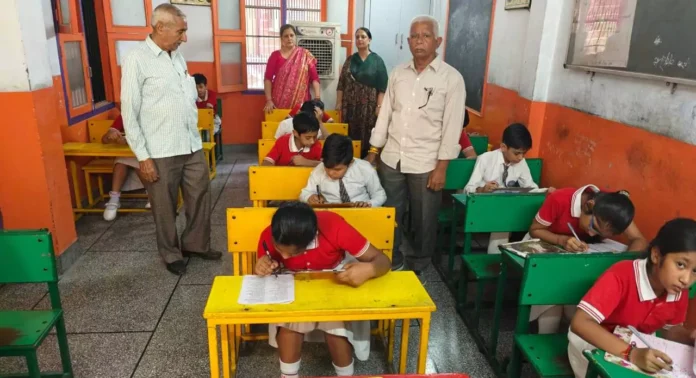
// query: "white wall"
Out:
[528,51]
[199,47]
[51,41]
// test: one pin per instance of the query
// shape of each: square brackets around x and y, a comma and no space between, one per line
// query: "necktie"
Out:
[345,198]
[505,174]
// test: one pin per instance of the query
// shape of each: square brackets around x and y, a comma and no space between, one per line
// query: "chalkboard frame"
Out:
[669,80]
[491,25]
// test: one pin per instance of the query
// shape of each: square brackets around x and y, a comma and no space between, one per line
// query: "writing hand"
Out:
[650,360]
[575,245]
[265,266]
[362,204]
[315,199]
[490,186]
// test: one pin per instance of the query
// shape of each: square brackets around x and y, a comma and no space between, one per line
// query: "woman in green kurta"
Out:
[361,89]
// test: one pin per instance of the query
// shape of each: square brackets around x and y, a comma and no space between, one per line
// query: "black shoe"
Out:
[210,255]
[397,263]
[177,267]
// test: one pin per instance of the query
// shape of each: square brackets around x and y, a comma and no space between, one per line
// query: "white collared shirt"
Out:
[490,167]
[361,182]
[421,118]
[286,127]
[158,103]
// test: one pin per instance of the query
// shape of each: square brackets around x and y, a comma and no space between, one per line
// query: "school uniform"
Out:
[623,296]
[132,181]
[465,142]
[336,242]
[561,207]
[285,148]
[286,127]
[361,184]
[491,166]
[296,109]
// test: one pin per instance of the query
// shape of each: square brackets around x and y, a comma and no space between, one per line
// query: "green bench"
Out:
[571,276]
[480,144]
[489,213]
[458,174]
[27,257]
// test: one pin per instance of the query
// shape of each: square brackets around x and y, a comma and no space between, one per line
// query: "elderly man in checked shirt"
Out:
[418,130]
[158,104]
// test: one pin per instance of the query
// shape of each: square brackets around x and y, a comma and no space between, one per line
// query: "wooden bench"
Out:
[268,129]
[264,183]
[265,146]
[27,257]
[244,226]
[277,115]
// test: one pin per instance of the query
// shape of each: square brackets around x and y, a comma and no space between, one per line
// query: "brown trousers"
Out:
[190,173]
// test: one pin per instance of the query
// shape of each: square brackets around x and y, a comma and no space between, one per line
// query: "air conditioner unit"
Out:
[323,40]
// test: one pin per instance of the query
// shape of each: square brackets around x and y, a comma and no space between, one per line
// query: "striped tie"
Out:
[345,198]
[505,175]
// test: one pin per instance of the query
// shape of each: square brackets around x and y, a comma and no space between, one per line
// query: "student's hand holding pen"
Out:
[316,199]
[489,187]
[265,266]
[572,244]
[650,360]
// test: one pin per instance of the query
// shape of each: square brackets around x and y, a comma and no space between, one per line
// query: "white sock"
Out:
[289,370]
[344,371]
[550,320]
[115,197]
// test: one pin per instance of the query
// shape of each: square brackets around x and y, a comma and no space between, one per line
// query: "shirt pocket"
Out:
[434,107]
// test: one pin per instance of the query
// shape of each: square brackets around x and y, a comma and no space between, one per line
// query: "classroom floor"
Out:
[127,316]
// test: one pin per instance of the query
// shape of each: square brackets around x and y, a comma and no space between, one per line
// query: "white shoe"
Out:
[148,205]
[111,210]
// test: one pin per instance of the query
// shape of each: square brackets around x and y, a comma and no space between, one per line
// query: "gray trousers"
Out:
[190,173]
[411,189]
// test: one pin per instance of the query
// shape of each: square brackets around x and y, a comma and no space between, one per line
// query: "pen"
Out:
[640,337]
[573,231]
[265,247]
[319,194]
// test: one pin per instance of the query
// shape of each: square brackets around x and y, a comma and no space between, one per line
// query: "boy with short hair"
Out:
[340,178]
[207,98]
[300,148]
[299,239]
[504,167]
[315,107]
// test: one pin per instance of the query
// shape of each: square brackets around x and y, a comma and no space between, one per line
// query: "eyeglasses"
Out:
[594,228]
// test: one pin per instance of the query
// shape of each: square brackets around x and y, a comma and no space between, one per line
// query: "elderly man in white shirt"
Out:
[158,104]
[418,130]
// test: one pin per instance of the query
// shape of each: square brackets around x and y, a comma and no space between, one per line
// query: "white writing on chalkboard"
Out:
[668,60]
[685,64]
[658,41]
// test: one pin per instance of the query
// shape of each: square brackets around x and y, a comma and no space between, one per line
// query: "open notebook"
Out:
[526,247]
[267,290]
[682,355]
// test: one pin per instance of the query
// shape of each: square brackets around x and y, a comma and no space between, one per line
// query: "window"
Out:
[263,21]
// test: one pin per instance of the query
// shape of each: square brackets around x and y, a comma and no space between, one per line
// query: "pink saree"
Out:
[292,80]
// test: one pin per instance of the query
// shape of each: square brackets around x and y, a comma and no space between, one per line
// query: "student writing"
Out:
[315,107]
[649,294]
[300,239]
[301,148]
[342,178]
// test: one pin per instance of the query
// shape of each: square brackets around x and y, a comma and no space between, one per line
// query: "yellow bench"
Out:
[278,115]
[265,146]
[268,129]
[206,123]
[244,226]
[264,183]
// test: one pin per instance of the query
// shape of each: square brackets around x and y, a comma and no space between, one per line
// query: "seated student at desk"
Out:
[123,179]
[503,168]
[207,99]
[315,107]
[593,215]
[648,294]
[301,147]
[341,178]
[300,239]
[464,141]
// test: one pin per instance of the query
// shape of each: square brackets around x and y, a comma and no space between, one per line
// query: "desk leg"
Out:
[423,352]
[213,350]
[498,310]
[390,340]
[76,183]
[225,347]
[403,358]
[233,348]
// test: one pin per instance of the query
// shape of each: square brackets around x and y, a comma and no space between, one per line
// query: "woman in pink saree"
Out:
[289,73]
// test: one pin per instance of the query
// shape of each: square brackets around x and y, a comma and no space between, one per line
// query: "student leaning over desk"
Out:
[593,215]
[649,294]
[341,178]
[300,239]
[301,148]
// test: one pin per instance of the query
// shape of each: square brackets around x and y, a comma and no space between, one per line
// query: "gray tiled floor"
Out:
[128,317]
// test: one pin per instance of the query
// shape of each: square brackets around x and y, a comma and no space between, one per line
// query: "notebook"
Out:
[607,245]
[526,247]
[271,289]
[682,355]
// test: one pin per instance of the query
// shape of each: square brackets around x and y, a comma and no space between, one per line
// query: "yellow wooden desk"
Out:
[396,295]
[105,151]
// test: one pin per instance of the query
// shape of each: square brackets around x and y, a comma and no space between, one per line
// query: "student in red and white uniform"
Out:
[301,148]
[649,294]
[300,239]
[315,107]
[464,141]
[126,175]
[594,215]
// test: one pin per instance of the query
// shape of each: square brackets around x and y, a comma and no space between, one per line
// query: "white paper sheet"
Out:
[682,355]
[267,290]
[607,245]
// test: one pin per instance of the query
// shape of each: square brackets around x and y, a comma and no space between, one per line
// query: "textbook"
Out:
[526,247]
[267,290]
